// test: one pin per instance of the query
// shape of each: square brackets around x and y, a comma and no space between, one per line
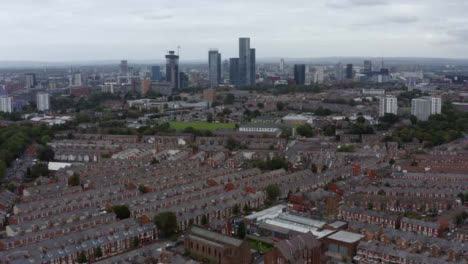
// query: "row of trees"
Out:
[439,129]
[16,138]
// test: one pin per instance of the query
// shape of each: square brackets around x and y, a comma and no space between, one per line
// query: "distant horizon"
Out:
[35,63]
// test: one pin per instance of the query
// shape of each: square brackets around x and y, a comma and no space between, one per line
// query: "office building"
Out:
[77,79]
[388,105]
[424,107]
[183,81]
[172,69]
[6,104]
[436,105]
[339,72]
[421,108]
[42,101]
[234,71]
[299,73]
[253,70]
[319,75]
[145,86]
[123,68]
[156,73]
[214,68]
[246,63]
[349,71]
[30,80]
[367,66]
[225,70]
[281,66]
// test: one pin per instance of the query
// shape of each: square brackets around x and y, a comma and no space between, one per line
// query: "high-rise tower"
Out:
[172,69]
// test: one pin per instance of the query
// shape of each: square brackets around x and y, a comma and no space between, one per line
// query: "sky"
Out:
[80,30]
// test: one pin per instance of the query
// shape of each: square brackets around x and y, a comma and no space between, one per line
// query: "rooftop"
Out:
[345,236]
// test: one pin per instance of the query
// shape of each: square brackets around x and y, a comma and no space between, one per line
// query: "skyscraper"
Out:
[234,71]
[253,70]
[42,101]
[6,104]
[30,80]
[184,81]
[244,62]
[299,73]
[214,68]
[123,68]
[281,66]
[339,72]
[349,71]
[388,105]
[155,73]
[367,66]
[172,69]
[77,79]
[225,70]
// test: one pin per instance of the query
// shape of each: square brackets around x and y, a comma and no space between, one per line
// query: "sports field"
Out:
[202,125]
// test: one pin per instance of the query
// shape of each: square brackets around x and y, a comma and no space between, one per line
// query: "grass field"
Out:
[202,125]
[259,246]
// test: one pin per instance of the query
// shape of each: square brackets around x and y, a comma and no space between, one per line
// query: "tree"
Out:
[270,164]
[286,133]
[229,99]
[260,105]
[232,144]
[305,130]
[360,119]
[98,253]
[142,189]
[122,211]
[349,148]
[389,118]
[12,187]
[323,111]
[241,230]
[135,242]
[280,106]
[235,210]
[204,220]
[82,257]
[45,153]
[314,168]
[273,192]
[209,118]
[75,180]
[38,170]
[2,169]
[246,208]
[329,130]
[166,223]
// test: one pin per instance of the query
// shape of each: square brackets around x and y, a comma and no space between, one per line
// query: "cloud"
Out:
[146,29]
[388,20]
[158,17]
[341,4]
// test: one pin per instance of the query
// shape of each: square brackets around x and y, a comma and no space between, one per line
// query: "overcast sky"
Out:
[65,30]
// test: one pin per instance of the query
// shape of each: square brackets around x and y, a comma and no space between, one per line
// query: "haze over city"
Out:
[67,30]
[233,132]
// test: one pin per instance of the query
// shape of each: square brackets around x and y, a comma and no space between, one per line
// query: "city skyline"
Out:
[73,31]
